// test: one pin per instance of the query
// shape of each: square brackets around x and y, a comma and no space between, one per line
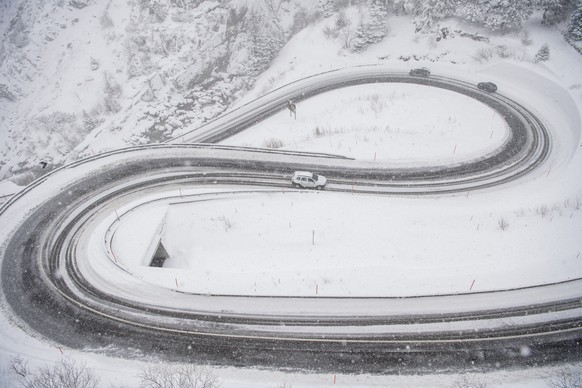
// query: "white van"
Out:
[308,180]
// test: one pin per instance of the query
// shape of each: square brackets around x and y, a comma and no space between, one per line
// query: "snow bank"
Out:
[299,244]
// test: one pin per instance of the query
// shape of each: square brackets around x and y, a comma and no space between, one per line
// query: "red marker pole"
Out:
[472,284]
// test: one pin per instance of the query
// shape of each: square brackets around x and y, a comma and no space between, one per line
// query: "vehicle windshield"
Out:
[315,177]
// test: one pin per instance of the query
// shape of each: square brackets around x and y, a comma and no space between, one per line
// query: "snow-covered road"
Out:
[58,272]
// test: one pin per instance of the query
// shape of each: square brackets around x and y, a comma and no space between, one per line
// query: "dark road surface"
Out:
[39,294]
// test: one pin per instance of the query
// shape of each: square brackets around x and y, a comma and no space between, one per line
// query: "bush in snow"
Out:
[502,223]
[575,26]
[64,374]
[510,53]
[164,376]
[319,132]
[543,53]
[273,143]
[565,378]
[483,55]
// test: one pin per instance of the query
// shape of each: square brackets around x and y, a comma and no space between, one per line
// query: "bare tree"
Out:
[64,374]
[565,378]
[188,376]
[19,365]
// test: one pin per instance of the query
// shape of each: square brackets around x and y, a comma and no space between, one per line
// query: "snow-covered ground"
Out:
[333,244]
[395,123]
[524,233]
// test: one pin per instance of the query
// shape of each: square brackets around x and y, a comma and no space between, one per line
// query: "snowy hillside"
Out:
[79,77]
[122,73]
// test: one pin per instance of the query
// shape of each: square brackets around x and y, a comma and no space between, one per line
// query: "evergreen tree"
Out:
[543,53]
[574,31]
[555,11]
[497,15]
[377,26]
[329,7]
[265,41]
[431,11]
[372,30]
[505,15]
[472,11]
[360,41]
[410,7]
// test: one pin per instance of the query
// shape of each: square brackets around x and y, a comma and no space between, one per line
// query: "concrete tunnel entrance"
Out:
[160,257]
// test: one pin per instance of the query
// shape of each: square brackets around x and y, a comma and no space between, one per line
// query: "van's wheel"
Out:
[319,187]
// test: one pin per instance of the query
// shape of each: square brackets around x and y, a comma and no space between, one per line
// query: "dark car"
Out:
[422,72]
[487,86]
